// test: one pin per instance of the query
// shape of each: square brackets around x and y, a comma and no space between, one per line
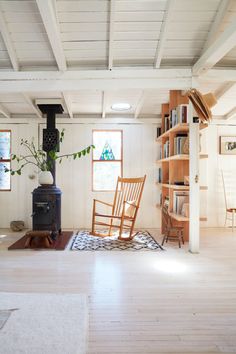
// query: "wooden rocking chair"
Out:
[123,210]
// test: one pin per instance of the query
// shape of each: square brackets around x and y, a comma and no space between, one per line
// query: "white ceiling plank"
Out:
[139,105]
[5,112]
[46,9]
[164,30]
[32,105]
[67,101]
[221,12]
[222,45]
[8,42]
[111,35]
[223,90]
[231,114]
[104,104]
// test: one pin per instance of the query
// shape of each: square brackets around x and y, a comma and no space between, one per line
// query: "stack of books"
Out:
[179,199]
[179,142]
[179,115]
[166,149]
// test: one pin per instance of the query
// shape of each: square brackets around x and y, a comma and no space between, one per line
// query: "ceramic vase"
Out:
[45,177]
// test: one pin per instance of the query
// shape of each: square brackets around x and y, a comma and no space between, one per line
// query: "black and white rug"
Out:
[143,241]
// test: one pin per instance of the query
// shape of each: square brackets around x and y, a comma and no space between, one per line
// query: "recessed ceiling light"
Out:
[121,107]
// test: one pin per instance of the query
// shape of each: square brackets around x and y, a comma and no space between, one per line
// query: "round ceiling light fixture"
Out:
[122,106]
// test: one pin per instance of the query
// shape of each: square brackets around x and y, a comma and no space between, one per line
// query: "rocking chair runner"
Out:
[123,210]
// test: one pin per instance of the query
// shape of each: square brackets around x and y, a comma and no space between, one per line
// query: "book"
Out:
[166,149]
[167,122]
[179,199]
[173,118]
[159,175]
[179,142]
[182,113]
[158,132]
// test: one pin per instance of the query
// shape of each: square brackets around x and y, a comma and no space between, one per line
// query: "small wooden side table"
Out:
[46,235]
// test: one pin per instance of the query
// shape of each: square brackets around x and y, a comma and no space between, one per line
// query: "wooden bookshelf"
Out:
[175,166]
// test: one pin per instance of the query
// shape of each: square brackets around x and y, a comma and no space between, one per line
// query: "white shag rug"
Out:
[43,323]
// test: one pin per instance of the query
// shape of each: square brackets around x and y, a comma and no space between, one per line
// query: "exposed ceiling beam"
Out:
[221,12]
[97,74]
[139,105]
[219,75]
[32,105]
[111,34]
[222,45]
[8,42]
[231,114]
[163,35]
[47,12]
[85,119]
[95,84]
[104,104]
[97,79]
[67,101]
[5,112]
[222,91]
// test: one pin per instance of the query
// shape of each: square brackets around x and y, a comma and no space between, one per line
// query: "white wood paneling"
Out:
[74,178]
[83,6]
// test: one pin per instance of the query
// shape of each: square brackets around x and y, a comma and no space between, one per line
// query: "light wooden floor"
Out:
[141,302]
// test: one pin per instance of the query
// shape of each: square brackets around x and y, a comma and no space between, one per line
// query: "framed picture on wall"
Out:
[228,145]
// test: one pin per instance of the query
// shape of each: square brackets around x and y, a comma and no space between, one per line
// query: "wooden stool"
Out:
[46,235]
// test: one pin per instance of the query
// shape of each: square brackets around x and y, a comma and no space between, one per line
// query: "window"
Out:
[107,159]
[5,160]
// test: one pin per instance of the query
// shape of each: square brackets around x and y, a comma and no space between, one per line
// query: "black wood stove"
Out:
[47,198]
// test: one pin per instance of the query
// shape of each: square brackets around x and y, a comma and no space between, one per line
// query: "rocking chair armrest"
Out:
[100,201]
[134,205]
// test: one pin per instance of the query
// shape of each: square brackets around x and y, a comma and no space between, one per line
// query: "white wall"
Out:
[74,178]
[216,163]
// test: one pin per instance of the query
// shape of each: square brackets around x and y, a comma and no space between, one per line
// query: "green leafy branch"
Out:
[38,157]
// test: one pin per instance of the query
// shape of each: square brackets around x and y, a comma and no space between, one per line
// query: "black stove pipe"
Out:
[51,134]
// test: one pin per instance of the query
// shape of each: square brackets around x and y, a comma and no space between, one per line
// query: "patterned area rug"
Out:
[143,241]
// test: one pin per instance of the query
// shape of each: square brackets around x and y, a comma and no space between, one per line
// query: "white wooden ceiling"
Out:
[118,40]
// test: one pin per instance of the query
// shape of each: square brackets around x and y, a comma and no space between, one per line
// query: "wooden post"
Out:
[194,196]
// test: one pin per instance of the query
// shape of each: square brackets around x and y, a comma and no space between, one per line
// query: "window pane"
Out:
[5,145]
[107,145]
[105,175]
[5,183]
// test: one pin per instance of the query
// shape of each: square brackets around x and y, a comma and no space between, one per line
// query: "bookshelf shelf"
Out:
[180,157]
[179,187]
[178,128]
[178,217]
[182,218]
[174,157]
